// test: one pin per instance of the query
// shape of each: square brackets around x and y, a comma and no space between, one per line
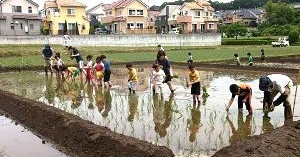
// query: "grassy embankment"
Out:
[30,55]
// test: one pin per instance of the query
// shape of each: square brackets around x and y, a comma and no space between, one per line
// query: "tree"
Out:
[293,36]
[234,30]
[77,29]
[65,28]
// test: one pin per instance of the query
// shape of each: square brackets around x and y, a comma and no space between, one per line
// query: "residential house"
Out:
[197,16]
[19,17]
[249,17]
[191,17]
[126,16]
[95,14]
[162,22]
[70,11]
[152,17]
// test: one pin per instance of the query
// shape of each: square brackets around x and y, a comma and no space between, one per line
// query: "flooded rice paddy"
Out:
[167,120]
[17,141]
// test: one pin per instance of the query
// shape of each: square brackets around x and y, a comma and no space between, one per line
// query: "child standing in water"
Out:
[237,59]
[89,69]
[107,70]
[157,78]
[133,79]
[250,59]
[194,77]
[99,70]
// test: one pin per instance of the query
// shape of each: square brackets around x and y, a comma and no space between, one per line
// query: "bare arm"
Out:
[229,104]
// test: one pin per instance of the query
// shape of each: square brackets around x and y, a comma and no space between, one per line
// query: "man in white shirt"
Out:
[272,85]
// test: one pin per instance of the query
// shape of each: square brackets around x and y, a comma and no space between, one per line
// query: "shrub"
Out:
[293,36]
[246,42]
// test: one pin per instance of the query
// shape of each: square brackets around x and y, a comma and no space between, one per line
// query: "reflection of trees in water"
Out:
[107,101]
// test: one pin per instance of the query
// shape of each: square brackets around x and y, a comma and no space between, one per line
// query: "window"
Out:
[16,9]
[29,9]
[12,26]
[131,12]
[71,26]
[21,26]
[140,12]
[186,12]
[197,13]
[31,26]
[206,13]
[211,26]
[140,25]
[151,19]
[61,26]
[71,11]
[130,25]
[211,14]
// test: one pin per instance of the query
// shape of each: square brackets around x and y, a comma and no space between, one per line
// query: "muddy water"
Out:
[168,120]
[16,141]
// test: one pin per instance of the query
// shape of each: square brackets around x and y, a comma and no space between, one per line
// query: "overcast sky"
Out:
[91,3]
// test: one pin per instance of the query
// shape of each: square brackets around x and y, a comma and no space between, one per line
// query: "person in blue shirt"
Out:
[47,54]
[107,70]
[167,69]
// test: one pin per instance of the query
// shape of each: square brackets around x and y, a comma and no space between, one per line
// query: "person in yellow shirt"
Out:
[194,78]
[133,79]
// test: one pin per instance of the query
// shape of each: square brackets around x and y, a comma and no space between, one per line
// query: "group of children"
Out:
[250,58]
[96,73]
[271,85]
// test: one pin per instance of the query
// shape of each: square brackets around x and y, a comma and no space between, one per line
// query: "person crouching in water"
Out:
[107,70]
[194,77]
[59,65]
[250,59]
[99,70]
[157,78]
[132,79]
[244,93]
[273,85]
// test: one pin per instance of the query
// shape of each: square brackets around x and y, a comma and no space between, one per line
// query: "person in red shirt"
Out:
[244,93]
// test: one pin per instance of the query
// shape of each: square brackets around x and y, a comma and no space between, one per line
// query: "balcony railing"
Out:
[107,19]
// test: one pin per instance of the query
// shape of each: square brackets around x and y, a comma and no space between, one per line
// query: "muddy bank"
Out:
[79,137]
[284,141]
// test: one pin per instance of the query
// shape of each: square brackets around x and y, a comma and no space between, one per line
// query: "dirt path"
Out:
[77,136]
[282,142]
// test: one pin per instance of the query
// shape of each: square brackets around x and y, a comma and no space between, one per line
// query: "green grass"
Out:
[30,55]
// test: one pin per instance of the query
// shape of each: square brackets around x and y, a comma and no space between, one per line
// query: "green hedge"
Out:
[246,42]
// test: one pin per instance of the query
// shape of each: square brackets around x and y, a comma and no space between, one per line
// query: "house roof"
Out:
[95,7]
[171,9]
[192,5]
[121,4]
[245,14]
[50,4]
[30,1]
[69,3]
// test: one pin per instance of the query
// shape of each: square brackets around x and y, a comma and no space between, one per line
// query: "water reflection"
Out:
[168,120]
[243,129]
[162,114]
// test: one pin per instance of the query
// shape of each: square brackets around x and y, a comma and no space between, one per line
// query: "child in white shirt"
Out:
[157,78]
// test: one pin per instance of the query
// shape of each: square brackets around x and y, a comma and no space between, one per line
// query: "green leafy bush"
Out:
[293,36]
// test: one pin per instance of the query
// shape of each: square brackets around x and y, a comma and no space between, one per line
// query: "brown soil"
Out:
[77,136]
[284,141]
